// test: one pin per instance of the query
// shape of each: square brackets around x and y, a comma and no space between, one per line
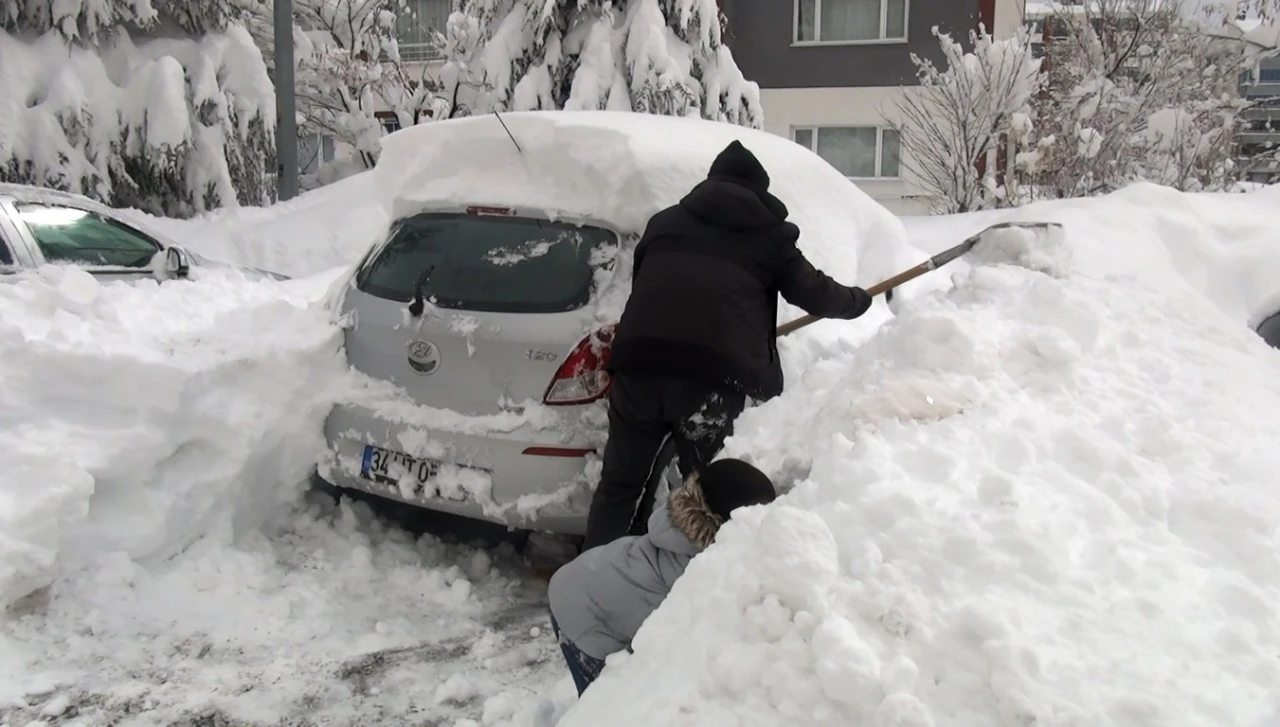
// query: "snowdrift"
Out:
[139,418]
[1035,498]
[1220,247]
[156,555]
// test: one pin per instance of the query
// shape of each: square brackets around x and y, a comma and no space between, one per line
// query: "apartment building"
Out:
[831,71]
[1258,139]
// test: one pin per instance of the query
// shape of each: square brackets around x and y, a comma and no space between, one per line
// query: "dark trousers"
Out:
[652,418]
[584,668]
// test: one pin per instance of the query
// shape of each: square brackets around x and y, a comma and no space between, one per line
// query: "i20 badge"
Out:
[424,357]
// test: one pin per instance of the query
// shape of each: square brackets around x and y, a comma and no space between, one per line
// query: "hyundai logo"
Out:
[424,357]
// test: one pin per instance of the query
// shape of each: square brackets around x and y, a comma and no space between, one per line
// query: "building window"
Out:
[314,151]
[389,120]
[417,24]
[850,21]
[1269,75]
[859,152]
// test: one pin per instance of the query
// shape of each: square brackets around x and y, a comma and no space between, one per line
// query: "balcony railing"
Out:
[420,52]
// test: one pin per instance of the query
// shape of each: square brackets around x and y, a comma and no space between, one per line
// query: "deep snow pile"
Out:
[1038,497]
[157,565]
[141,417]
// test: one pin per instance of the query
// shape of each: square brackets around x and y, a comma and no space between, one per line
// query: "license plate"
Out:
[382,465]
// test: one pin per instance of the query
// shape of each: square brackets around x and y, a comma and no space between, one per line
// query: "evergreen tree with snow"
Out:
[650,56]
[160,105]
[346,68]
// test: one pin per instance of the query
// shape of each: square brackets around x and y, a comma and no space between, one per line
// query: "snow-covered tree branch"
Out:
[1137,91]
[967,117]
[1127,90]
[98,104]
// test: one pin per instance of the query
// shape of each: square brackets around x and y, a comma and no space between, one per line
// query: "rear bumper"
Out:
[507,485]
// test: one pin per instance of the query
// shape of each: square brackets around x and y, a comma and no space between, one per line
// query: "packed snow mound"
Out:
[141,417]
[620,168]
[1030,499]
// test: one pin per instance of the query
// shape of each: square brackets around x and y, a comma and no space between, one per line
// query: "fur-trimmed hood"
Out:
[691,515]
[601,598]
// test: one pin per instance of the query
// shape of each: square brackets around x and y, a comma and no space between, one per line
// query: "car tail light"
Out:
[557,451]
[479,210]
[582,377]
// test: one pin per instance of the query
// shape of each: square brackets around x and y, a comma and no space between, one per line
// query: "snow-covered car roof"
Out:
[43,194]
[620,168]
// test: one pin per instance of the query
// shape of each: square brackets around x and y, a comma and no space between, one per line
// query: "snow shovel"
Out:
[932,263]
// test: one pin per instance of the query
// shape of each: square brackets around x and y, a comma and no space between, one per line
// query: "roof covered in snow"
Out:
[620,168]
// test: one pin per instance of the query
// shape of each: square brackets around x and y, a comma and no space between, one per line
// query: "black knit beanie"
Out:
[728,484]
[736,162]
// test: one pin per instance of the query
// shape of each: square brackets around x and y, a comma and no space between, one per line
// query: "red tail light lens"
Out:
[490,211]
[582,377]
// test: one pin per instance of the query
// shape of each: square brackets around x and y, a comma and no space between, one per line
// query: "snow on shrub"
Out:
[174,126]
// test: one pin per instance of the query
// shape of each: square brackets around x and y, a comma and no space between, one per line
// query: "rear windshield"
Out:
[487,263]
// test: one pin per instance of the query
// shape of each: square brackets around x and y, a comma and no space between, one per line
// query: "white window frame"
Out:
[813,147]
[817,26]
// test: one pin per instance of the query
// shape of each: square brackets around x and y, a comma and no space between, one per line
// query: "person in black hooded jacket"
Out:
[698,334]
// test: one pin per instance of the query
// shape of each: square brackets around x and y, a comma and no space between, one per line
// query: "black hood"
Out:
[735,194]
[737,164]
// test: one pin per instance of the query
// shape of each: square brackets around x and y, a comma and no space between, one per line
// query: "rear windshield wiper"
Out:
[419,303]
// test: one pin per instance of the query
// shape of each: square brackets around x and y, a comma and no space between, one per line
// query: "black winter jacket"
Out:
[708,272]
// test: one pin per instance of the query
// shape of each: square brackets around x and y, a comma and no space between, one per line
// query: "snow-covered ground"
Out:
[1037,497]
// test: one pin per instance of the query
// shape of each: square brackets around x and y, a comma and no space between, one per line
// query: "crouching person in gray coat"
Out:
[600,599]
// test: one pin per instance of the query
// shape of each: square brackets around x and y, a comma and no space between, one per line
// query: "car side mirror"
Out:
[176,262]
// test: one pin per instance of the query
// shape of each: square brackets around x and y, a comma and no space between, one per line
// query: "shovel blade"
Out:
[1040,229]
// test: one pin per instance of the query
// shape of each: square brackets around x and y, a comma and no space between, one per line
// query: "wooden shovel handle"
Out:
[883,286]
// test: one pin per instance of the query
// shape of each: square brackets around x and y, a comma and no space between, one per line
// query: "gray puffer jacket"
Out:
[601,598]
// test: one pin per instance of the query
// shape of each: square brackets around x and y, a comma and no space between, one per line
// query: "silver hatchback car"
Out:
[478,314]
[479,324]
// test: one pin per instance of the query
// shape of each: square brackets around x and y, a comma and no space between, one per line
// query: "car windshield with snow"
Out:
[482,319]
